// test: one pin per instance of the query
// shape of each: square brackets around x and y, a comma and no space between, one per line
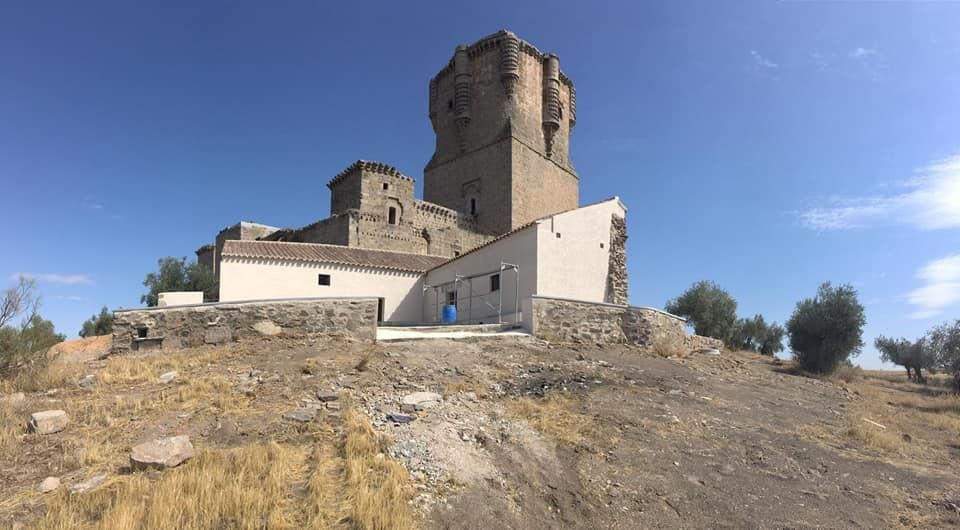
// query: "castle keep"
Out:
[502,112]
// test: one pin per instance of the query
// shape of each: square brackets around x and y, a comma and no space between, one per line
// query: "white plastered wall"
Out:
[574,265]
[519,249]
[251,279]
[172,298]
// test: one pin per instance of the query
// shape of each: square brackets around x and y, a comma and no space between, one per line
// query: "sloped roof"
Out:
[338,254]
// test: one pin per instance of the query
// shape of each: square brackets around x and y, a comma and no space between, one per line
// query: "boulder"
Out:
[419,401]
[87,381]
[267,328]
[162,453]
[168,377]
[48,421]
[49,484]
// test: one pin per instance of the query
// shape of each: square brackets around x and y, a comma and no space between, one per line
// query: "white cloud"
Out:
[941,287]
[859,53]
[763,62]
[57,278]
[928,201]
[70,298]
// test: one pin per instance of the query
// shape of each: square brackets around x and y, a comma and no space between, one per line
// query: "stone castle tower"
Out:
[502,112]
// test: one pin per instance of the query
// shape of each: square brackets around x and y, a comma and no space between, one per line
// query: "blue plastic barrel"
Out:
[449,314]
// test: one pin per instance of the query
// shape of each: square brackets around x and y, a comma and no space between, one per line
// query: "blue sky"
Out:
[768,146]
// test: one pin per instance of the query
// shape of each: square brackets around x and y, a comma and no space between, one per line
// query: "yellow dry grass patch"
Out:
[247,488]
[378,489]
[11,427]
[670,347]
[138,369]
[555,415]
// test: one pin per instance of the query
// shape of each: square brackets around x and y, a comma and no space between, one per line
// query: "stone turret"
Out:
[502,112]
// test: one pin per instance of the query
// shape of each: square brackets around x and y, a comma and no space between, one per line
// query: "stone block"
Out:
[162,453]
[48,421]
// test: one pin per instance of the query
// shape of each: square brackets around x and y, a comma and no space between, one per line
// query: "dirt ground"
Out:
[534,435]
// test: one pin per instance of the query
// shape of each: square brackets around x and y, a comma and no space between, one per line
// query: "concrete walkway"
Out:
[399,333]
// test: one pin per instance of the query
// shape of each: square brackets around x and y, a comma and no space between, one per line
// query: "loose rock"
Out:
[168,377]
[88,485]
[48,421]
[327,396]
[49,484]
[419,401]
[87,381]
[161,454]
[301,415]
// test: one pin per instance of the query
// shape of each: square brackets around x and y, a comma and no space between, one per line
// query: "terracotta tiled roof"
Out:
[338,254]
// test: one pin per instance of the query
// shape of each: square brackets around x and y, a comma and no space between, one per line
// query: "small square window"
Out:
[386,186]
[558,235]
[323,279]
[494,283]
[141,333]
[601,245]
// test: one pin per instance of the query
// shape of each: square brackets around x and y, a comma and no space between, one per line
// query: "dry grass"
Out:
[11,427]
[247,487]
[670,347]
[452,388]
[140,369]
[378,489]
[555,415]
[847,373]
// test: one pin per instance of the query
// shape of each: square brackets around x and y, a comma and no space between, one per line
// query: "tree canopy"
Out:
[756,335]
[710,309]
[827,329]
[912,355]
[101,324]
[175,274]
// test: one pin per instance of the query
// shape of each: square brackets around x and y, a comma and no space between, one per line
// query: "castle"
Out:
[503,113]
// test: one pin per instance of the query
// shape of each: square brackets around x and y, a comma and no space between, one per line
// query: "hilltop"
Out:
[521,434]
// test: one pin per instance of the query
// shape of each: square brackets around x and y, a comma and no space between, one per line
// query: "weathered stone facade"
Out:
[191,326]
[617,267]
[573,321]
[502,112]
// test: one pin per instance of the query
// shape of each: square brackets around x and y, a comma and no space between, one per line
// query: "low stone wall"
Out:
[564,320]
[172,328]
[699,342]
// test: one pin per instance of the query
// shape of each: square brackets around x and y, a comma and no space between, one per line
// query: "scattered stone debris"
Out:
[419,401]
[168,377]
[87,381]
[88,484]
[49,484]
[48,421]
[162,453]
[301,414]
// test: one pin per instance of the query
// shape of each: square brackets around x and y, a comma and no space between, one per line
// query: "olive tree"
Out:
[914,356]
[710,309]
[175,274]
[827,329]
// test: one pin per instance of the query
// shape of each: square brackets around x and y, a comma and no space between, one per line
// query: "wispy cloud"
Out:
[70,298]
[928,201]
[762,62]
[56,278]
[941,287]
[859,53]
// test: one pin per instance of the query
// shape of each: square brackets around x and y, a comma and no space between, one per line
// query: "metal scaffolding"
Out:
[460,280]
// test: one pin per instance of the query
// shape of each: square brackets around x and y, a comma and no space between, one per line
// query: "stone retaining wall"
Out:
[564,320]
[172,328]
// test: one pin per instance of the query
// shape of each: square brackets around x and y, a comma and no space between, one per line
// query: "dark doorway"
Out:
[380,303]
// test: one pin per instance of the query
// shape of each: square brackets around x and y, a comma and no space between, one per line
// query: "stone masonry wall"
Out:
[173,328]
[561,320]
[617,267]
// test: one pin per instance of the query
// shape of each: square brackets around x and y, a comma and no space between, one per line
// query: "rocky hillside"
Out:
[473,433]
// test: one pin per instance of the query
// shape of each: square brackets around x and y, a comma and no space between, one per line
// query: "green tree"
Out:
[24,347]
[177,275]
[944,345]
[710,309]
[754,334]
[912,355]
[827,329]
[97,325]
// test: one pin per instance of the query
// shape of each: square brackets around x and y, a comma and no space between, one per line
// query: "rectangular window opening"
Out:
[392,216]
[494,282]
[141,333]
[558,235]
[451,298]
[323,279]
[386,186]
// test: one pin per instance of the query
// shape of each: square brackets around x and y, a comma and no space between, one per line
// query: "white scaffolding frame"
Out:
[459,279]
